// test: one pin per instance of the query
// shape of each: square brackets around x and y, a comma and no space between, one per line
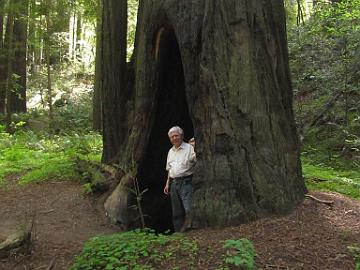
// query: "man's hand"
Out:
[166,189]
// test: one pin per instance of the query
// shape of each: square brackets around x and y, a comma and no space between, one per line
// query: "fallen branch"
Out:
[51,265]
[47,211]
[102,177]
[326,108]
[89,165]
[330,203]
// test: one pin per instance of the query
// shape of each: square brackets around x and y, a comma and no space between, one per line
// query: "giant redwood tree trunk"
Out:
[219,69]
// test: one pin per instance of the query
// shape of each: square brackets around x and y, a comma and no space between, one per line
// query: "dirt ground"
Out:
[314,236]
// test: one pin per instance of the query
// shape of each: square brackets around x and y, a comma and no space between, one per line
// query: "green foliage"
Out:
[326,171]
[41,157]
[139,249]
[355,251]
[240,253]
[324,61]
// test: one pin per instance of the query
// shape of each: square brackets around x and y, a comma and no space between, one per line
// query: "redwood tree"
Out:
[96,101]
[18,97]
[2,58]
[219,69]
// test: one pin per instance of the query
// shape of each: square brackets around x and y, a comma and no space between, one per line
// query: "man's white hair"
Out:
[176,129]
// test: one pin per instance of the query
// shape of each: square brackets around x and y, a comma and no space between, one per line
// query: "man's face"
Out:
[175,139]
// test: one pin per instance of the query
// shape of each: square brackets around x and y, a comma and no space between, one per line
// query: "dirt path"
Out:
[314,236]
[64,220]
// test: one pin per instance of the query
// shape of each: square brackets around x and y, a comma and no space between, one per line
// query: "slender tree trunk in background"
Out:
[114,94]
[78,46]
[72,33]
[9,46]
[220,70]
[48,62]
[97,125]
[346,72]
[18,98]
[300,14]
[2,58]
[31,38]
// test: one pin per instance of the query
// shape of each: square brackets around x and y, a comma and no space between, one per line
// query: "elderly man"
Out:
[180,164]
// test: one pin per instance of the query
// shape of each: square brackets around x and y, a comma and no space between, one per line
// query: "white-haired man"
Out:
[180,164]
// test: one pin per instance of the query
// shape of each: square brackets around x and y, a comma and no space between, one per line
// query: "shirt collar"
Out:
[182,146]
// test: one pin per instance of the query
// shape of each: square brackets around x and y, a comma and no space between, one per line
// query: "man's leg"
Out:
[177,207]
[186,192]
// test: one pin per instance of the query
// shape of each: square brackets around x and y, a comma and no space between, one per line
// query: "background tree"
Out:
[97,111]
[113,74]
[9,52]
[2,58]
[220,70]
[18,97]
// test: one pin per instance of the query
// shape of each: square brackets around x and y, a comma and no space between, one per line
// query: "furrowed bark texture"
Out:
[18,97]
[220,70]
[114,24]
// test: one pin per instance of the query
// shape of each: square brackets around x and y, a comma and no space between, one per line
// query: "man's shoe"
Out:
[187,223]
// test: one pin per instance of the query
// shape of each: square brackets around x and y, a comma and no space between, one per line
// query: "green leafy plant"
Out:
[240,253]
[138,249]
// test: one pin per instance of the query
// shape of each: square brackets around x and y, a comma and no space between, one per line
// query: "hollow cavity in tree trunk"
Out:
[171,110]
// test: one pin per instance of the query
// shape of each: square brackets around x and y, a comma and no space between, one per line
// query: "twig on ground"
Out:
[51,265]
[47,211]
[272,266]
[330,203]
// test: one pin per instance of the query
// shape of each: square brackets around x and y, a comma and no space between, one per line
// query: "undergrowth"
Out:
[328,171]
[143,249]
[34,157]
[239,253]
[355,251]
[137,250]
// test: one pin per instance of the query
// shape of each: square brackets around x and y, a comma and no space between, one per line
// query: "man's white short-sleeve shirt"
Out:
[181,161]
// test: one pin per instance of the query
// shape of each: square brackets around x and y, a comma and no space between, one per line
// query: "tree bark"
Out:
[9,45]
[114,94]
[18,97]
[47,52]
[219,69]
[97,125]
[2,58]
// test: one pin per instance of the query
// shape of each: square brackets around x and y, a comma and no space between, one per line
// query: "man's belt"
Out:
[182,177]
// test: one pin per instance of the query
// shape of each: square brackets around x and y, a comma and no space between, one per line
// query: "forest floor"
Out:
[313,236]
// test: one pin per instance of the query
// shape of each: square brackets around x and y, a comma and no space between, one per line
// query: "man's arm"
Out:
[167,185]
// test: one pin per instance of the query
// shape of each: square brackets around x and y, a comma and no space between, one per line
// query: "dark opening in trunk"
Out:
[171,110]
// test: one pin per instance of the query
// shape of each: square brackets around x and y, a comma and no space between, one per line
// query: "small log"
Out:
[14,241]
[330,203]
[102,177]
